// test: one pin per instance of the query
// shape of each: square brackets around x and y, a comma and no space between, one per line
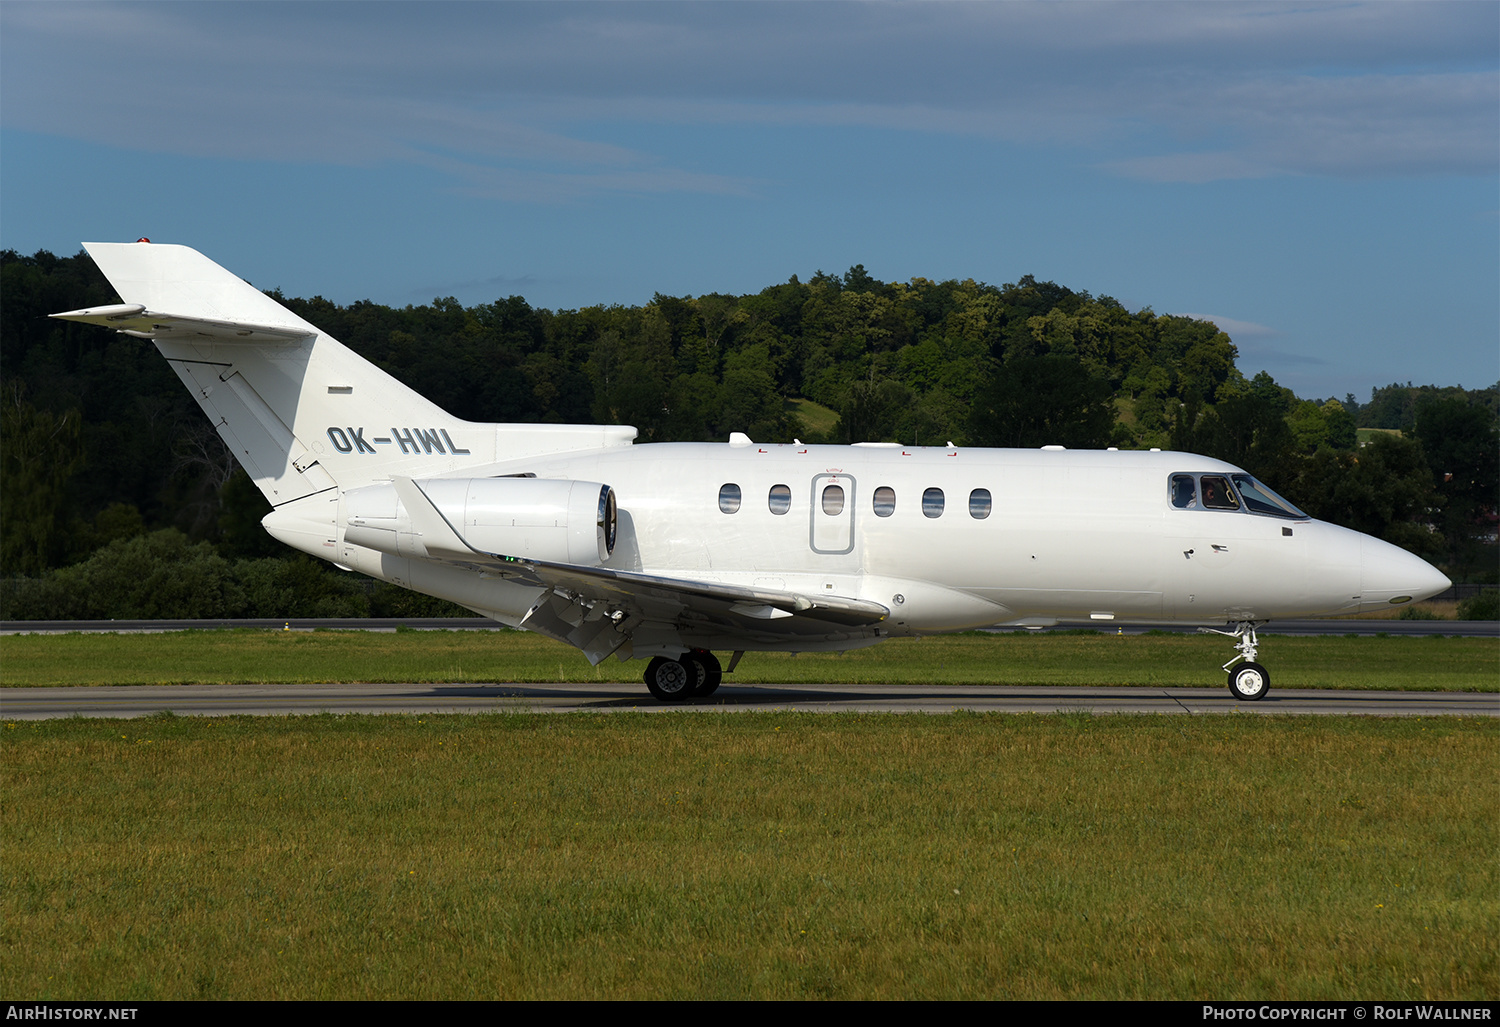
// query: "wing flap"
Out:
[730,601]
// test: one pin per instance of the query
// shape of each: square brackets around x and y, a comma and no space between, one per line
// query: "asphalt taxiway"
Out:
[1456,628]
[282,700]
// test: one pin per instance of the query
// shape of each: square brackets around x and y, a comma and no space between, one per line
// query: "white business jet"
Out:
[667,552]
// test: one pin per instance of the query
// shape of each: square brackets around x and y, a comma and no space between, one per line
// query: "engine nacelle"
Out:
[531,518]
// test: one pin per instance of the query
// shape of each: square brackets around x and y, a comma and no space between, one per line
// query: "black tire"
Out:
[668,680]
[1249,682]
[697,671]
[704,670]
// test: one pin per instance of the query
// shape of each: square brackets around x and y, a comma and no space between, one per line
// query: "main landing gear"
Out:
[693,675]
[1249,681]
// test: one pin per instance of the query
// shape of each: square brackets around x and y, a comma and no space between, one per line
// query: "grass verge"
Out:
[1082,658]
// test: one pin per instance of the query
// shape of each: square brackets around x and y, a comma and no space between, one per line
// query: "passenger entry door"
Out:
[832,513]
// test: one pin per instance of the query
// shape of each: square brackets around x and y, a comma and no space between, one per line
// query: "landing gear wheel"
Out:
[668,680]
[703,670]
[1249,682]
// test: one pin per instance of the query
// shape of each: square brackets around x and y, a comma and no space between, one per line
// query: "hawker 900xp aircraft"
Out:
[667,552]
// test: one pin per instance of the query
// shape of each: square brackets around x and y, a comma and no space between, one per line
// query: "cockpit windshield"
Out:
[1261,500]
[1214,492]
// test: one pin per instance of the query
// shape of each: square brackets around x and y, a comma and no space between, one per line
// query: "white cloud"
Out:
[1236,329]
[1252,354]
[1191,167]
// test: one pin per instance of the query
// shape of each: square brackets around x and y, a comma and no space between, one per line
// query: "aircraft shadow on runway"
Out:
[777,695]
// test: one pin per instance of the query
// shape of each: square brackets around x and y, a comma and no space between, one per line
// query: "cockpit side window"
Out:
[1217,495]
[1261,500]
[1184,491]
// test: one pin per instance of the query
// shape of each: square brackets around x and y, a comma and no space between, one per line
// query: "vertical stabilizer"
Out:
[300,411]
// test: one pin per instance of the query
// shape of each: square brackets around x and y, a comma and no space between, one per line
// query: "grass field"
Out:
[815,418]
[1083,658]
[752,856]
[769,855]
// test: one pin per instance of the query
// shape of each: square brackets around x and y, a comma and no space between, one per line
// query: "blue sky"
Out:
[1321,179]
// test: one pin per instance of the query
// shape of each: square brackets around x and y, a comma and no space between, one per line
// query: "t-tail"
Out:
[301,412]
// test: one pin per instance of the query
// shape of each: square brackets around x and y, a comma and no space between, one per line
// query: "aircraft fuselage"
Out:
[946,538]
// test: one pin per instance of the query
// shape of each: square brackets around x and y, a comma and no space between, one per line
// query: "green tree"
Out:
[1459,441]
[1342,433]
[751,402]
[870,409]
[160,575]
[39,453]
[1249,428]
[1041,401]
[298,586]
[1384,489]
[1309,426]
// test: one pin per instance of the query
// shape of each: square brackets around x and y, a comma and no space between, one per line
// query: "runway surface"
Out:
[1465,628]
[270,700]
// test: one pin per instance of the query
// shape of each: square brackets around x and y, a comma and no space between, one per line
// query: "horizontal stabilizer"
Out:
[134,319]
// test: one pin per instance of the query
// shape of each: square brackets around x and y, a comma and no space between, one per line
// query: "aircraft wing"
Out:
[134,319]
[598,608]
[753,604]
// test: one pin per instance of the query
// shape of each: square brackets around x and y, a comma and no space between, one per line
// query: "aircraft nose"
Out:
[1390,575]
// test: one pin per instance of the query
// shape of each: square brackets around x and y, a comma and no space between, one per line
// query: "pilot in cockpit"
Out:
[1184,495]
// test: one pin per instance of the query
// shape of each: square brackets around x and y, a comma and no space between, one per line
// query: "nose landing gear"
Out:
[1249,681]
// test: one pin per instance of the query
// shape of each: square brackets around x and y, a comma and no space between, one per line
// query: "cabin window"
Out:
[729,498]
[1261,500]
[780,499]
[1184,491]
[1217,495]
[885,501]
[932,503]
[979,504]
[833,500]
